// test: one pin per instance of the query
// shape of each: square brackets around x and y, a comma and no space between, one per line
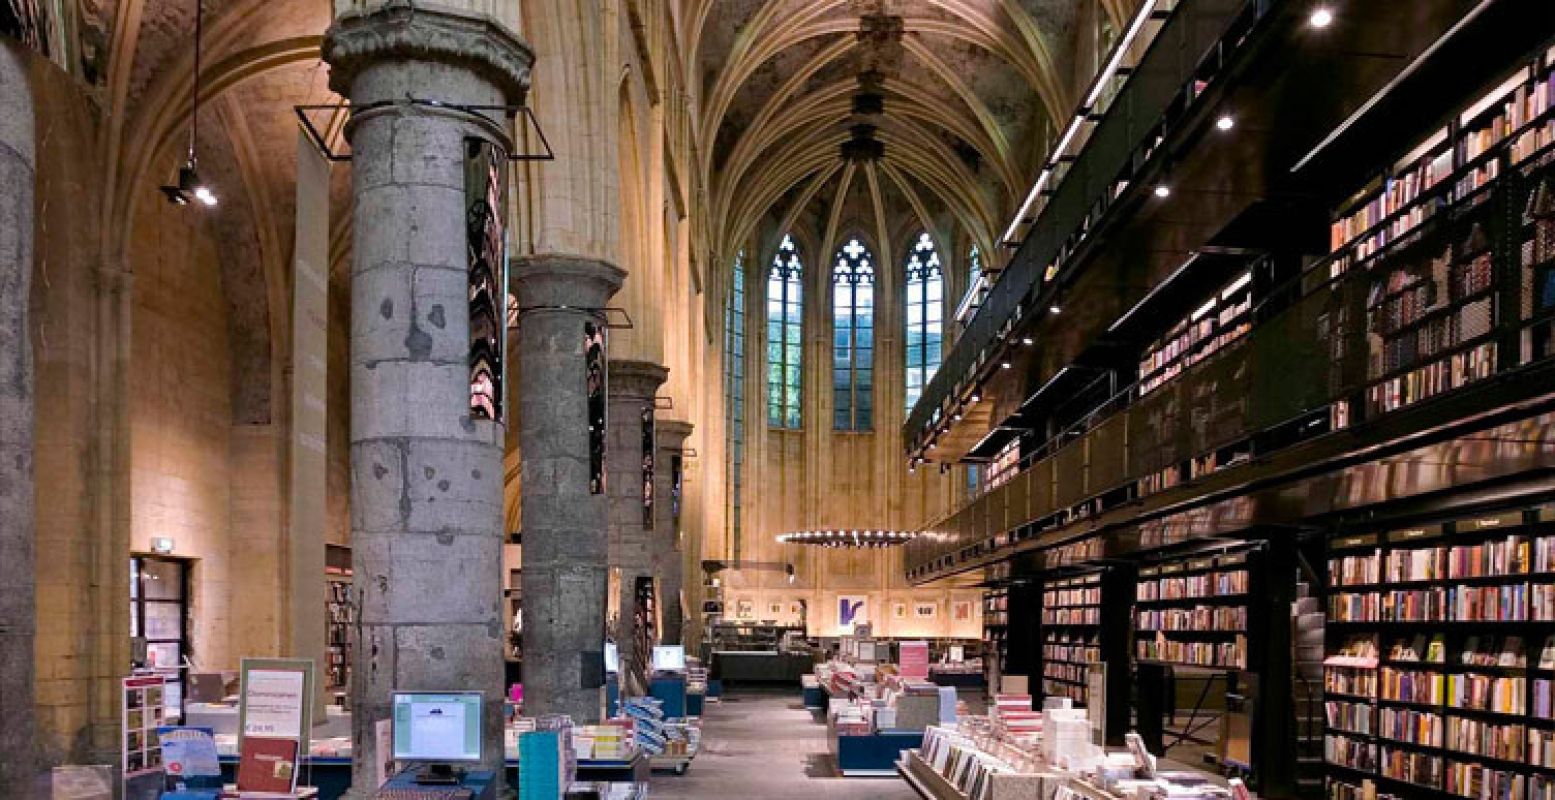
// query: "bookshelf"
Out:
[1071,620]
[996,634]
[1441,655]
[1443,271]
[340,617]
[1194,611]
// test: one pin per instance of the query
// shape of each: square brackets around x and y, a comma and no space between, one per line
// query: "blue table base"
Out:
[874,755]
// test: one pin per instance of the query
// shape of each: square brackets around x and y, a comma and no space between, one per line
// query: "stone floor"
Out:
[766,746]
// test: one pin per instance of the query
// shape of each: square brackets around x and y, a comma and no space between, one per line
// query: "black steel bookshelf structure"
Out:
[1441,658]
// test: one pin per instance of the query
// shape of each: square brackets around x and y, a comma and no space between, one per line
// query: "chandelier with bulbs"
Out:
[848,538]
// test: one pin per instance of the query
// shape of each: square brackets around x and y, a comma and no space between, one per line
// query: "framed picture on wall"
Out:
[925,609]
[852,611]
[745,608]
[796,607]
[899,611]
[961,611]
[775,609]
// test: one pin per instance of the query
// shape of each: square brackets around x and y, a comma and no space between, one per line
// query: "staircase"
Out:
[1307,621]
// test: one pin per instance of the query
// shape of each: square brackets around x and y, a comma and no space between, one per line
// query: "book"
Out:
[267,765]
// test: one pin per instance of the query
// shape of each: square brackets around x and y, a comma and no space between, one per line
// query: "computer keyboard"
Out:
[423,793]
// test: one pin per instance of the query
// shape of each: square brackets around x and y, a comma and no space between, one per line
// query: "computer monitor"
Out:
[437,727]
[669,658]
[612,658]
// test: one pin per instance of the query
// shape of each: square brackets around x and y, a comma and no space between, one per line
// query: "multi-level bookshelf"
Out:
[1428,236]
[1441,658]
[1194,611]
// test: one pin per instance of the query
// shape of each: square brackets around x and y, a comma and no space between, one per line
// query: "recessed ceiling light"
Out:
[1225,122]
[1321,17]
[1162,190]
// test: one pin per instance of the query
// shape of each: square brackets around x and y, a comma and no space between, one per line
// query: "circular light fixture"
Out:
[848,538]
[1226,122]
[1321,17]
[1162,190]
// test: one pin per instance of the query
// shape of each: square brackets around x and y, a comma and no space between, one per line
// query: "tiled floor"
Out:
[766,746]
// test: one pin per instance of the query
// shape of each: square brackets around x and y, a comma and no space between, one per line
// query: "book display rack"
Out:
[1441,656]
[143,712]
[1195,612]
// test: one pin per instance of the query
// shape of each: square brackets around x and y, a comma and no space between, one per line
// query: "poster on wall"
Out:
[648,454]
[852,611]
[925,609]
[961,611]
[745,608]
[899,611]
[485,192]
[598,380]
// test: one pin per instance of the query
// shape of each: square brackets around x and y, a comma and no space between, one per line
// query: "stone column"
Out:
[564,572]
[633,385]
[426,475]
[18,611]
[668,556]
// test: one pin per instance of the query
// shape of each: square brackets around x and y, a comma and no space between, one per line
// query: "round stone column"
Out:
[18,612]
[633,385]
[564,521]
[426,474]
[668,557]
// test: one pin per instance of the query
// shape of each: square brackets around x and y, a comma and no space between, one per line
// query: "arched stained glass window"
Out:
[853,338]
[925,316]
[785,314]
[734,395]
[974,261]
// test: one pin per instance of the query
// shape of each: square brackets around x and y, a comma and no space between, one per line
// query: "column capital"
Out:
[639,380]
[406,32]
[554,281]
[672,433]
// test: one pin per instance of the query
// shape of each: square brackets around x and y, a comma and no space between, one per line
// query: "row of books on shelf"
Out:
[1078,596]
[1226,334]
[1502,603]
[1201,618]
[1228,655]
[1075,650]
[1073,691]
[1071,616]
[1459,370]
[1059,670]
[1514,555]
[1212,584]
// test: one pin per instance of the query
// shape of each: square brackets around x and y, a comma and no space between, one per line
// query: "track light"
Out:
[1321,17]
[1226,122]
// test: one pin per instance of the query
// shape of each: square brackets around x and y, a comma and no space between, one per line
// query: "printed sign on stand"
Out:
[915,660]
[274,712]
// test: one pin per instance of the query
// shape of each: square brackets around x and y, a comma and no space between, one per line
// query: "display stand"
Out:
[481,784]
[872,755]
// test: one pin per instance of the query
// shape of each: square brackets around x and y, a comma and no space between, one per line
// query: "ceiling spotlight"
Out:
[1004,365]
[189,188]
[1027,341]
[1055,309]
[1225,122]
[958,416]
[912,469]
[1321,17]
[977,397]
[1162,190]
[932,445]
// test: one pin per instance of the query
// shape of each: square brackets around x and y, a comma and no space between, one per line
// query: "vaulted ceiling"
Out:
[968,90]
